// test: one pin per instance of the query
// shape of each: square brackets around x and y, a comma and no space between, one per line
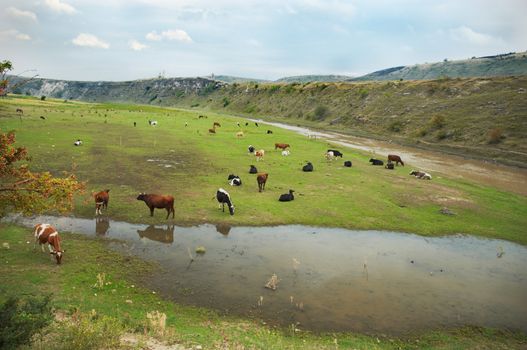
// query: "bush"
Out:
[274,88]
[437,121]
[396,126]
[363,93]
[226,102]
[21,319]
[321,112]
[495,136]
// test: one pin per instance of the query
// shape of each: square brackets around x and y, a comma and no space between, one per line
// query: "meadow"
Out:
[190,164]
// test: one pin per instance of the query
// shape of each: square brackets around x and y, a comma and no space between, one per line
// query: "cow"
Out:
[234,180]
[213,130]
[255,123]
[376,161]
[238,123]
[158,201]
[336,153]
[101,201]
[347,163]
[287,197]
[239,134]
[421,175]
[269,131]
[262,179]
[259,155]
[45,233]
[253,170]
[135,124]
[152,122]
[216,124]
[282,146]
[19,110]
[247,124]
[286,153]
[389,165]
[330,155]
[42,117]
[395,158]
[223,198]
[77,143]
[251,149]
[308,167]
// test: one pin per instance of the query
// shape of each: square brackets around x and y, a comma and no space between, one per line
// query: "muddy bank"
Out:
[327,279]
[506,178]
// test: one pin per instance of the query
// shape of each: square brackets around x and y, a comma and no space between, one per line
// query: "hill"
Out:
[313,78]
[231,79]
[488,66]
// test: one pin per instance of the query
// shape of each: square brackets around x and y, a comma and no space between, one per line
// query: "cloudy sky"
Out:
[268,39]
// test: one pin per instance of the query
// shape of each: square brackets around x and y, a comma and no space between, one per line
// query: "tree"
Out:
[5,66]
[28,192]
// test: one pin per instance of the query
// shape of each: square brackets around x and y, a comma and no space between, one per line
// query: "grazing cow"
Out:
[286,153]
[269,132]
[308,167]
[421,175]
[261,179]
[287,197]
[158,201]
[234,180]
[223,198]
[238,123]
[347,163]
[186,124]
[389,165]
[395,158]
[213,130]
[281,146]
[101,201]
[45,233]
[336,153]
[259,155]
[216,124]
[255,123]
[330,155]
[251,149]
[239,134]
[376,161]
[253,170]
[135,124]
[19,110]
[77,143]
[152,122]
[247,124]
[42,117]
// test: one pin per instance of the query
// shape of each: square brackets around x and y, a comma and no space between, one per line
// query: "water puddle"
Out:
[488,173]
[328,279]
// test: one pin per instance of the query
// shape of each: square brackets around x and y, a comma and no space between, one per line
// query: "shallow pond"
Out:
[328,279]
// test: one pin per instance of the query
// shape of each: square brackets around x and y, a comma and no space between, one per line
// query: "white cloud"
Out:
[89,40]
[466,34]
[60,7]
[154,36]
[177,34]
[14,12]
[14,34]
[136,45]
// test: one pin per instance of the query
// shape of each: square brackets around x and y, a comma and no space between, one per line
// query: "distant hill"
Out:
[487,66]
[231,79]
[314,78]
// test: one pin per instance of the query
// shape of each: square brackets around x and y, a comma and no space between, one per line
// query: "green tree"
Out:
[29,192]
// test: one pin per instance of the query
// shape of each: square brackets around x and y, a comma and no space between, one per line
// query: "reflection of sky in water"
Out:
[330,279]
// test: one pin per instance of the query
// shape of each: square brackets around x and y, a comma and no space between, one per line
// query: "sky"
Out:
[119,40]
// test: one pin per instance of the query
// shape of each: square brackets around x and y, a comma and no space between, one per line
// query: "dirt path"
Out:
[503,177]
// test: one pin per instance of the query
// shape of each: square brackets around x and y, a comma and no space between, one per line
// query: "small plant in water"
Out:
[273,282]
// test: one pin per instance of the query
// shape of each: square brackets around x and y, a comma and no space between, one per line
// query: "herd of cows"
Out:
[47,234]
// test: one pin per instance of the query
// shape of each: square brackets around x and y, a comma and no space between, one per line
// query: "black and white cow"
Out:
[223,198]
[234,180]
[251,149]
[376,161]
[335,153]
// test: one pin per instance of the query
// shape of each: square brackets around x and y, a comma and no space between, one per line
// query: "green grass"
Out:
[115,155]
[74,290]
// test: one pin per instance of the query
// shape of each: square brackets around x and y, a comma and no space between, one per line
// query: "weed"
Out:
[495,136]
[273,282]
[396,126]
[437,122]
[321,112]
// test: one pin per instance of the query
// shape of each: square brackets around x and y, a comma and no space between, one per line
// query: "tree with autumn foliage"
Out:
[5,66]
[22,190]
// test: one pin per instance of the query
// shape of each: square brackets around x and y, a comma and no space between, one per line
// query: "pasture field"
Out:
[190,164]
[94,316]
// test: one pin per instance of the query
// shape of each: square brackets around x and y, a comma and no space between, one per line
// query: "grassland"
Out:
[120,304]
[128,160]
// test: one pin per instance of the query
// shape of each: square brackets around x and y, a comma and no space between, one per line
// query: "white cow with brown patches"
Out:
[45,233]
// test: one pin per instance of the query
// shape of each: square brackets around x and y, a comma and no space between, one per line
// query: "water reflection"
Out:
[224,229]
[159,234]
[102,225]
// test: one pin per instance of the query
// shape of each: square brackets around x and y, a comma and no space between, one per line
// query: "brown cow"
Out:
[259,155]
[216,124]
[45,233]
[19,110]
[262,179]
[158,201]
[395,158]
[101,201]
[213,130]
[282,146]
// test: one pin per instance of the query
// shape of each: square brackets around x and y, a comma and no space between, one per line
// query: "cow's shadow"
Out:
[159,234]
[102,225]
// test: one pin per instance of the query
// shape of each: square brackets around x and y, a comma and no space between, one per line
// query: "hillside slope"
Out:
[488,66]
